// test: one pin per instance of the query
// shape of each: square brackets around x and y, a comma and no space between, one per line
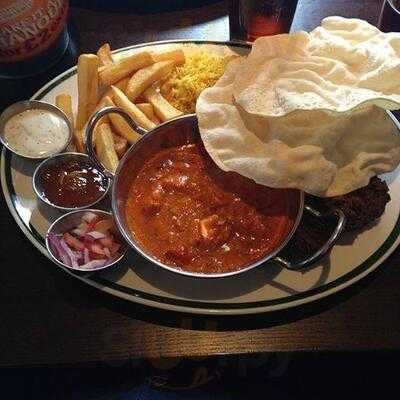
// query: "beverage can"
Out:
[29,29]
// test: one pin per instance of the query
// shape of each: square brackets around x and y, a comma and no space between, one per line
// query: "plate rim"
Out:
[186,305]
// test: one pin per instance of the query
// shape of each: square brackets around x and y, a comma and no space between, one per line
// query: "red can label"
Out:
[28,27]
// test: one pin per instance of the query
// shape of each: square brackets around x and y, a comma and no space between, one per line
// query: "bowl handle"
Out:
[340,224]
[90,130]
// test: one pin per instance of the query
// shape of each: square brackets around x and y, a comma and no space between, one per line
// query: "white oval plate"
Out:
[266,288]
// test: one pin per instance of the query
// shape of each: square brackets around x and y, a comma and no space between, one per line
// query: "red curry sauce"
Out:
[188,213]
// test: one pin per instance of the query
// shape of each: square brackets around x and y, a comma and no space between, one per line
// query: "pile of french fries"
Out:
[133,84]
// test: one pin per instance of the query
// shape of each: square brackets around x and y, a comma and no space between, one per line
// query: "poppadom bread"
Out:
[342,65]
[322,153]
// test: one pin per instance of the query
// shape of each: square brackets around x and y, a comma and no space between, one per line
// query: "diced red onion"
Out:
[89,217]
[107,241]
[78,232]
[95,241]
[70,253]
[55,242]
[88,239]
[96,235]
[107,252]
[83,226]
[86,257]
[95,248]
[73,242]
[94,264]
[78,254]
[115,247]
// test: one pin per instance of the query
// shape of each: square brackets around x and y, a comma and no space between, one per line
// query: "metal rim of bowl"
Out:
[124,245]
[35,177]
[25,105]
[137,247]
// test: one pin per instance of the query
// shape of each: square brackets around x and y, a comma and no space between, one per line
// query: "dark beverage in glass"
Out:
[250,19]
[389,19]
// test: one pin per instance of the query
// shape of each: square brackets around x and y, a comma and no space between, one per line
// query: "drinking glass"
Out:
[250,19]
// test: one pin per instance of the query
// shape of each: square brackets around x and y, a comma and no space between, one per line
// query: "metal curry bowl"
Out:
[177,132]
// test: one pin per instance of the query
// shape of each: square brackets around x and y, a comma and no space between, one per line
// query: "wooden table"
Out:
[49,317]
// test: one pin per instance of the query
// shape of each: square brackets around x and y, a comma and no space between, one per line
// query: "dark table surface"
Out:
[50,317]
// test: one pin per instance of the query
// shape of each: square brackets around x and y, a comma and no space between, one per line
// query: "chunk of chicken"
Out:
[175,182]
[214,229]
[153,206]
[178,254]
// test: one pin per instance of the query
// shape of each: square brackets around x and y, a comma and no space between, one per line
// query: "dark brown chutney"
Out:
[73,183]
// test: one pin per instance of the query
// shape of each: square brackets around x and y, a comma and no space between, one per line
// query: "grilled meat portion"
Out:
[361,206]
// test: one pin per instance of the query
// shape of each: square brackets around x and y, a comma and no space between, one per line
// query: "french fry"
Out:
[156,120]
[104,54]
[80,134]
[115,72]
[164,110]
[120,85]
[177,56]
[104,143]
[120,145]
[78,140]
[104,102]
[101,104]
[147,109]
[138,116]
[64,103]
[87,87]
[121,126]
[145,77]
[103,120]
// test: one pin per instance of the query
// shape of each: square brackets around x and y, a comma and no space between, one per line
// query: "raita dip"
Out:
[36,133]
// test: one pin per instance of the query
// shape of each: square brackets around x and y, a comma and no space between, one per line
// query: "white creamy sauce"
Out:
[36,133]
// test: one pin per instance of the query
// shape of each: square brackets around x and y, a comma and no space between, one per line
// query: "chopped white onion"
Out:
[96,235]
[89,217]
[79,232]
[94,264]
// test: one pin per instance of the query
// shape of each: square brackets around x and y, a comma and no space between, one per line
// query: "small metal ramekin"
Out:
[69,221]
[25,105]
[54,160]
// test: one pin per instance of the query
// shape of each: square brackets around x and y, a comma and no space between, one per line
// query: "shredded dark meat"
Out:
[361,207]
